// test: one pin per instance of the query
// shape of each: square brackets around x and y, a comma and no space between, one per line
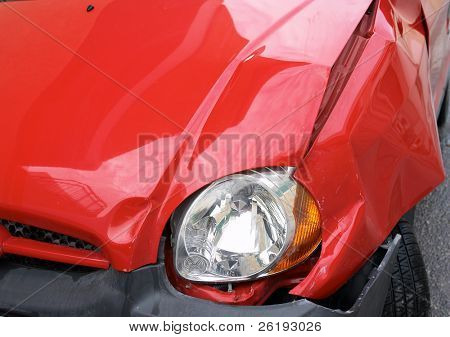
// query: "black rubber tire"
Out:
[408,294]
[442,117]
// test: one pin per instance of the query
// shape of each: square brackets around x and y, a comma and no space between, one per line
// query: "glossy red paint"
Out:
[46,251]
[51,252]
[78,88]
[438,26]
[242,293]
[70,150]
[381,141]
[3,236]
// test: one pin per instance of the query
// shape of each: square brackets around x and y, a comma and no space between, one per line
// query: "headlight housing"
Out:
[245,226]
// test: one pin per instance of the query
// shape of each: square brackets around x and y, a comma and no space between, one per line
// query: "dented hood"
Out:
[94,104]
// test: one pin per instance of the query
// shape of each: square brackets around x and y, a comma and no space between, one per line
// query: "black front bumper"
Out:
[147,292]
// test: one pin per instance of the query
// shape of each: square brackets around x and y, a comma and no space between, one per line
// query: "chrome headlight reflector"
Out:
[243,226]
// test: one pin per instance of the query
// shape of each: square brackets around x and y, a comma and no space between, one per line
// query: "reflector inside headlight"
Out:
[245,226]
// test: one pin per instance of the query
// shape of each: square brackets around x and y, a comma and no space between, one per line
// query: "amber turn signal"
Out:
[307,235]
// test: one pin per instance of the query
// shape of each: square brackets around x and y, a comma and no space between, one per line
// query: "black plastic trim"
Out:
[148,292]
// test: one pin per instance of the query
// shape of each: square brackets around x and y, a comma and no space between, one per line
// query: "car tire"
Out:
[442,117]
[408,293]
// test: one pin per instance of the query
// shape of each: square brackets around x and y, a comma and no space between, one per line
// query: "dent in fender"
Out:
[70,152]
[381,147]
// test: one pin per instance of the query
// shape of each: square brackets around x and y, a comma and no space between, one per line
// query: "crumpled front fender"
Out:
[377,155]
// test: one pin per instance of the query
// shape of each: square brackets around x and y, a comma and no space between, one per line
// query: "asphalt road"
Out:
[433,233]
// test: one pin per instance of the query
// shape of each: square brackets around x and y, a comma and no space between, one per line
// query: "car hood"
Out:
[113,116]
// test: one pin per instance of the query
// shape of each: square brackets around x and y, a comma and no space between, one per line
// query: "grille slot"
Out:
[45,264]
[33,233]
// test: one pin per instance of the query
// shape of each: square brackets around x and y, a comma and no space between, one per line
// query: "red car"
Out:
[218,157]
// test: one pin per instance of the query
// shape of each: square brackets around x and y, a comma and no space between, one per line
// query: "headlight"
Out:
[245,226]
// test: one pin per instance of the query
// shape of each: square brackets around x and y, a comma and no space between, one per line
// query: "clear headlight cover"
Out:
[245,226]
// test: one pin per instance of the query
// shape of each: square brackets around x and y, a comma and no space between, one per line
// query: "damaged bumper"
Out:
[147,292]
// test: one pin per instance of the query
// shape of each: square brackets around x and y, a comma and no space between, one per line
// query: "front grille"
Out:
[45,264]
[33,233]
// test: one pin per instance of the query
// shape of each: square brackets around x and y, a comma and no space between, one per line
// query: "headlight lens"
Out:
[245,226]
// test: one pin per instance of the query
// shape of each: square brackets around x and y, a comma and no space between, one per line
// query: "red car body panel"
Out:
[381,139]
[86,94]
